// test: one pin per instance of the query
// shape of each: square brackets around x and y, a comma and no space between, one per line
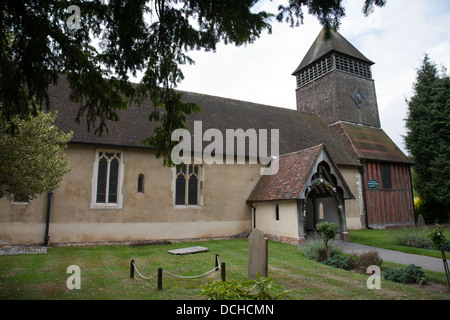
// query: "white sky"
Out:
[395,37]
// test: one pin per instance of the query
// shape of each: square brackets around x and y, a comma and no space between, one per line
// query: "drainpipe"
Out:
[254,215]
[362,171]
[47,222]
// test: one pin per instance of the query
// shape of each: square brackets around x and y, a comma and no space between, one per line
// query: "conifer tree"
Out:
[42,39]
[428,139]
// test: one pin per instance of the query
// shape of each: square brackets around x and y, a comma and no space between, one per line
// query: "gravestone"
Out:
[420,222]
[257,254]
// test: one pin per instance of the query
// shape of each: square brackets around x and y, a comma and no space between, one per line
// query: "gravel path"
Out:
[13,250]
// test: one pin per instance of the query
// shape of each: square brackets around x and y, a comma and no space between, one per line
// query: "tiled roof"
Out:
[337,43]
[298,130]
[294,173]
[288,183]
[369,143]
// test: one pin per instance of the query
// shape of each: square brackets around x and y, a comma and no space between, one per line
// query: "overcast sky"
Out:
[395,37]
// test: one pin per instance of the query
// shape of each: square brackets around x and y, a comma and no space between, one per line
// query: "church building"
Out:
[335,164]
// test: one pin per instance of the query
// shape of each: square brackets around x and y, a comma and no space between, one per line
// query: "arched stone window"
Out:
[188,185]
[107,180]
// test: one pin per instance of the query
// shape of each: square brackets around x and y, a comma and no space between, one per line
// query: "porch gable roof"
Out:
[294,175]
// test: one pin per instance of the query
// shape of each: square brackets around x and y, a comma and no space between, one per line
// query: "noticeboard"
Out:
[373,184]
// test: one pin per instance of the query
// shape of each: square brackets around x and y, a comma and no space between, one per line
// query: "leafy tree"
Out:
[38,43]
[440,242]
[428,139]
[328,230]
[31,159]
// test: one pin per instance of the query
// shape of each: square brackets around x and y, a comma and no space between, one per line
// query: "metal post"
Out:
[132,269]
[160,278]
[216,264]
[223,271]
[47,221]
[444,260]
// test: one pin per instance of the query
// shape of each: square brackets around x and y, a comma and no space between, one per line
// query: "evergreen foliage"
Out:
[408,274]
[38,43]
[428,140]
[328,230]
[31,158]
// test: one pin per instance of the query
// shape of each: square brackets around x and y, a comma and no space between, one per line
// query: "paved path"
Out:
[429,263]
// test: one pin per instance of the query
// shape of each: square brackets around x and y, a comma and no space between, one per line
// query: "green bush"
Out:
[415,239]
[359,262]
[341,262]
[409,274]
[224,290]
[437,238]
[314,249]
[261,288]
[328,230]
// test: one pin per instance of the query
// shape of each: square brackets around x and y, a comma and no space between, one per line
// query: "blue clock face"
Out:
[358,98]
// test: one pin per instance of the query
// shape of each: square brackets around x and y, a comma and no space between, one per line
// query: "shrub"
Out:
[328,230]
[341,262]
[409,274]
[224,290]
[415,239]
[437,238]
[261,288]
[314,249]
[366,259]
[440,242]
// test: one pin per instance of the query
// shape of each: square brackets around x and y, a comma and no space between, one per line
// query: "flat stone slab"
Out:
[14,250]
[189,250]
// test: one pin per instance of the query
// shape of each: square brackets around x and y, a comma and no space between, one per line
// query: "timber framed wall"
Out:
[388,202]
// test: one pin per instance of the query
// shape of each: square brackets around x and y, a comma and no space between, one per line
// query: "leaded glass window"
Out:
[180,194]
[108,178]
[187,185]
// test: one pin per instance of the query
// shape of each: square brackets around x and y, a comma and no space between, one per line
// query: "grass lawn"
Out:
[105,274]
[388,239]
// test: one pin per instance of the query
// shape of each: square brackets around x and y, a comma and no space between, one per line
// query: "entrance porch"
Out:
[307,189]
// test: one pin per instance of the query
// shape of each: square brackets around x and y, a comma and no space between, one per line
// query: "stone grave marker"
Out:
[420,222]
[257,254]
[190,250]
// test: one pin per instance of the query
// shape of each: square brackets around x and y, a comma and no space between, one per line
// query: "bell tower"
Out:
[334,80]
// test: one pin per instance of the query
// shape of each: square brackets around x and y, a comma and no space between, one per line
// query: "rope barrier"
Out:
[191,277]
[135,268]
[175,275]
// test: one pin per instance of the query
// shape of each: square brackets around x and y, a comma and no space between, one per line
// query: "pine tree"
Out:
[428,139]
